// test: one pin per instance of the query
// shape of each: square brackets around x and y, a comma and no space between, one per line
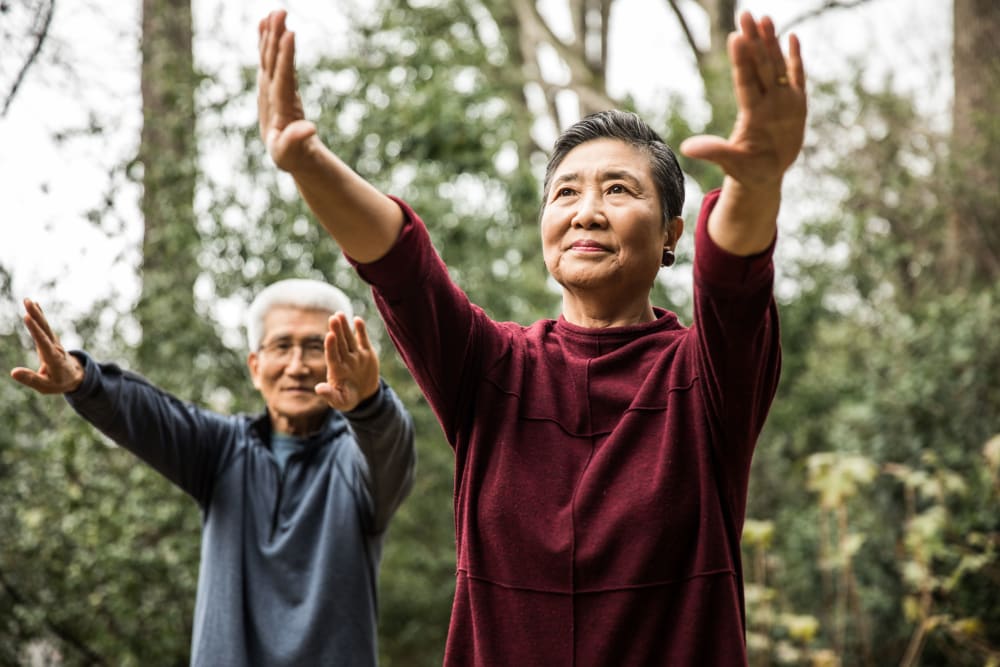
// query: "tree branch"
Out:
[698,54]
[817,11]
[40,34]
[581,74]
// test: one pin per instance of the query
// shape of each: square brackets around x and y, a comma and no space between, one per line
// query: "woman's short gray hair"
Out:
[630,128]
[297,293]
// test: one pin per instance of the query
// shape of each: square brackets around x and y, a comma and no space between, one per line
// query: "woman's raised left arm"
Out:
[766,139]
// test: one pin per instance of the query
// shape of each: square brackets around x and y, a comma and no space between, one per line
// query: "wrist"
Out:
[313,160]
[369,399]
[77,375]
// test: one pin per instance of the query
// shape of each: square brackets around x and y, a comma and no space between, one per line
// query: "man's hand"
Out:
[291,140]
[352,368]
[771,98]
[59,372]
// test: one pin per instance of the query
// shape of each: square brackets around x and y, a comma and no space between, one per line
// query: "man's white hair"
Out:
[297,293]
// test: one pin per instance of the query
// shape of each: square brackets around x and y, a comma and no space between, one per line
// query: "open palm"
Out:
[771,98]
[352,367]
[288,136]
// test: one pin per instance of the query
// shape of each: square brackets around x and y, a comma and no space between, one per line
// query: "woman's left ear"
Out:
[674,230]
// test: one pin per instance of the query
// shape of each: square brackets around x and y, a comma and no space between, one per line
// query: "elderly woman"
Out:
[602,458]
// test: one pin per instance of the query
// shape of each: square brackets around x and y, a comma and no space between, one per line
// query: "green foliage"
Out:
[98,554]
[875,494]
[880,421]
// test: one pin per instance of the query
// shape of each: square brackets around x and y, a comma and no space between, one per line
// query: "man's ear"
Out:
[253,364]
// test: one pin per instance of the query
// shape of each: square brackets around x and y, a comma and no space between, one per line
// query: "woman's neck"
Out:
[597,314]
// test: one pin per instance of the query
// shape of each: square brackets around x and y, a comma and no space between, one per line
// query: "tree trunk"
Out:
[973,233]
[714,65]
[167,153]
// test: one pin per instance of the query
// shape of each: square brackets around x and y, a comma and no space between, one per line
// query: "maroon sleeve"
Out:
[736,326]
[437,330]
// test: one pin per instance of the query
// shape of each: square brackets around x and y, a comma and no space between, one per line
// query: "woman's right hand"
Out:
[59,372]
[291,140]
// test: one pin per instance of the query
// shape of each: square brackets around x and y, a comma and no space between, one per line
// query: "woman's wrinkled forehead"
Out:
[604,155]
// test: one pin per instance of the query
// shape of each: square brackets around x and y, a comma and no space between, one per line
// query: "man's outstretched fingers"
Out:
[361,329]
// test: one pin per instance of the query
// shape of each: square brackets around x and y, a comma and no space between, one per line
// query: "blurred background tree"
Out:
[874,511]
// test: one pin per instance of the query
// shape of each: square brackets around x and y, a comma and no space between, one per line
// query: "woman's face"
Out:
[602,225]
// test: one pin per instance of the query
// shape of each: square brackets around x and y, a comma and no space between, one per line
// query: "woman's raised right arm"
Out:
[360,218]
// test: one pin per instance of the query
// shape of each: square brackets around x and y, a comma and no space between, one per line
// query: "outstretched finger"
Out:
[336,341]
[46,344]
[796,70]
[754,37]
[261,36]
[361,331]
[330,352]
[272,28]
[345,334]
[284,72]
[775,58]
[35,311]
[746,84]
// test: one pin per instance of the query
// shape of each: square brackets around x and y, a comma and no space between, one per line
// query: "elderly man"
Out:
[295,501]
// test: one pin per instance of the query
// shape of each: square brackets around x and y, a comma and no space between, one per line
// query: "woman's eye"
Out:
[616,189]
[564,192]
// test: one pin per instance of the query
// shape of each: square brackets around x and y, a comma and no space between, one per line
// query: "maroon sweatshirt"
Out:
[600,474]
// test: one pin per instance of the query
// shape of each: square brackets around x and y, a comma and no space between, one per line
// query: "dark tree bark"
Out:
[973,231]
[168,155]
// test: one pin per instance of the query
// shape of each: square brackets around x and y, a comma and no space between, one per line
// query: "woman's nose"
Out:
[590,212]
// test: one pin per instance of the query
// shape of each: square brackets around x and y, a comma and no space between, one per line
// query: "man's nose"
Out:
[297,361]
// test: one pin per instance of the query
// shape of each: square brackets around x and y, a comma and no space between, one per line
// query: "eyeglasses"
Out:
[283,349]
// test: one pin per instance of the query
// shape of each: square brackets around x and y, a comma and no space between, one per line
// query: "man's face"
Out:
[289,365]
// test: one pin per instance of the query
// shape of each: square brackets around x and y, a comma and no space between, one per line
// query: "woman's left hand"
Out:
[771,98]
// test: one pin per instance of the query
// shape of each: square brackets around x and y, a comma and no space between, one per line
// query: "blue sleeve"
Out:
[185,444]
[384,431]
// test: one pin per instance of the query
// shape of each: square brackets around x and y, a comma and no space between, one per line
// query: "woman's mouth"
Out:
[584,245]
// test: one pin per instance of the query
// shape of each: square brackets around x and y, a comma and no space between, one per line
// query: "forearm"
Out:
[385,436]
[360,218]
[181,443]
[744,221]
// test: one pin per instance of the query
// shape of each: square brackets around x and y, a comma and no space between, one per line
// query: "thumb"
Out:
[707,147]
[32,380]
[296,133]
[330,394]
